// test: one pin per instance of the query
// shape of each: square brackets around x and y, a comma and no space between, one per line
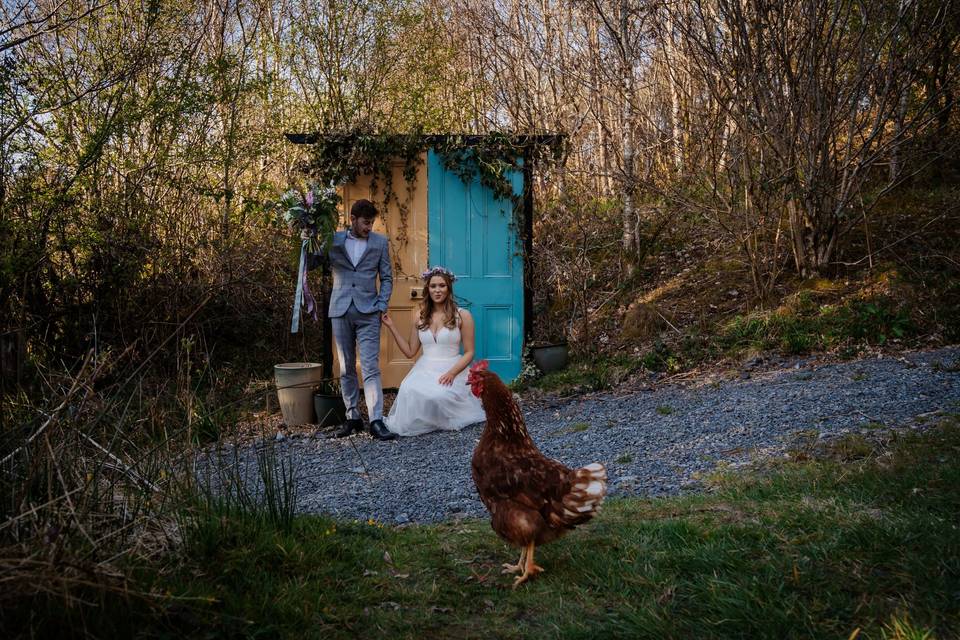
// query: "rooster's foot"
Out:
[530,573]
[521,563]
[530,568]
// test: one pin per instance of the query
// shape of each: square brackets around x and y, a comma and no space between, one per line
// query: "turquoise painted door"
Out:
[471,233]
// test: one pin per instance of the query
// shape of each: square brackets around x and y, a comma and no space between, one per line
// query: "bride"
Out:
[435,395]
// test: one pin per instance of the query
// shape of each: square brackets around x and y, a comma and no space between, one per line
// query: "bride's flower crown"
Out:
[438,270]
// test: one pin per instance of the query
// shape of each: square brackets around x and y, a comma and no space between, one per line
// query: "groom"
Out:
[357,257]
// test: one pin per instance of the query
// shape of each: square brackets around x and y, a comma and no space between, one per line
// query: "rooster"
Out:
[532,499]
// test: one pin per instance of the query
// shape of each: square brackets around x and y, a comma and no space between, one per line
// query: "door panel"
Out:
[473,234]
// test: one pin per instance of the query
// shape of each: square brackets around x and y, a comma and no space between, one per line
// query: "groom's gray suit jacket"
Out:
[358,284]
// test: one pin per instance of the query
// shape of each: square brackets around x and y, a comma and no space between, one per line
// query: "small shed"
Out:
[436,211]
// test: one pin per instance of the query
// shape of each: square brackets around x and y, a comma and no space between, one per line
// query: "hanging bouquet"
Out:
[313,212]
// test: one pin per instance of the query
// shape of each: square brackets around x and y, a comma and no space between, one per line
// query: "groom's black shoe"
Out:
[347,428]
[379,431]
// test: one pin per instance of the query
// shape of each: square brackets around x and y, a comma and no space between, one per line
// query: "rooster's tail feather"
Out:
[586,494]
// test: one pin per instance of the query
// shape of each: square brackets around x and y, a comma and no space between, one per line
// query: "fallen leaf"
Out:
[387,558]
[401,576]
[368,572]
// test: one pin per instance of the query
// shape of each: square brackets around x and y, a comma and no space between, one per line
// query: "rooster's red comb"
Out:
[481,365]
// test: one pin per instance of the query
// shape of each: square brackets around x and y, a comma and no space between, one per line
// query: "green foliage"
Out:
[316,210]
[589,374]
[209,422]
[874,321]
[573,427]
[492,157]
[340,158]
[900,628]
[600,371]
[808,327]
[382,66]
[661,357]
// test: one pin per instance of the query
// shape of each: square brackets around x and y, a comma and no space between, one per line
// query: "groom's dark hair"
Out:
[363,209]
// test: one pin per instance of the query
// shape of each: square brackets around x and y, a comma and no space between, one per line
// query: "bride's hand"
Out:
[447,379]
[387,320]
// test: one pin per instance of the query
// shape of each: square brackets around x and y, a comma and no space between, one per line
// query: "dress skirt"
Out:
[423,405]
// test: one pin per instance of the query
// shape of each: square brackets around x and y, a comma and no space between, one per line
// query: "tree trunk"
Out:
[629,216]
[675,133]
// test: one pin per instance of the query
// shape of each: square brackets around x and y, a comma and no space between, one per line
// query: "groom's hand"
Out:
[447,379]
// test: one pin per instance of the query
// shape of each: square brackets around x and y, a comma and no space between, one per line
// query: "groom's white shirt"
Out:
[355,247]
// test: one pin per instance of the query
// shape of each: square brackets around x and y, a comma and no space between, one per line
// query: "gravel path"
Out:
[654,441]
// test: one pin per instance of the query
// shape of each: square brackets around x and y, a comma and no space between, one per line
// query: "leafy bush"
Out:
[807,327]
[874,321]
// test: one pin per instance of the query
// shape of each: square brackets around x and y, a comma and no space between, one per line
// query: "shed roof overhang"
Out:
[428,139]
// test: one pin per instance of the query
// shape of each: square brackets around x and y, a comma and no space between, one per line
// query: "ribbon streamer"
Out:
[303,294]
[298,297]
[308,298]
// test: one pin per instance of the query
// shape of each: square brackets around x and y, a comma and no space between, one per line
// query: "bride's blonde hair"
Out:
[427,307]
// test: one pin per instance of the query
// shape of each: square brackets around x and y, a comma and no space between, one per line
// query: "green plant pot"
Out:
[330,409]
[550,357]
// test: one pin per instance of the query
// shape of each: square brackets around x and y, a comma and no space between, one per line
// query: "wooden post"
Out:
[527,246]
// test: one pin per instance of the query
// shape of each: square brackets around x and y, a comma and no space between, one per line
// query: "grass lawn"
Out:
[841,542]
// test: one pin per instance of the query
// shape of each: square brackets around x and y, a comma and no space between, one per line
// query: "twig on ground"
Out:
[363,463]
[133,475]
[662,317]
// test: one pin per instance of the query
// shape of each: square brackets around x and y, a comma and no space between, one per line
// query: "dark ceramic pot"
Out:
[550,357]
[330,409]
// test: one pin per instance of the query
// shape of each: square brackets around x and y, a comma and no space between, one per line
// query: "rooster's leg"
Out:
[515,568]
[530,568]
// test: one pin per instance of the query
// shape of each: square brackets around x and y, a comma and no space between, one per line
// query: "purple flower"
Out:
[309,198]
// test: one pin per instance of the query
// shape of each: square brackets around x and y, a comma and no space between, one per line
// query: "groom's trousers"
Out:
[350,331]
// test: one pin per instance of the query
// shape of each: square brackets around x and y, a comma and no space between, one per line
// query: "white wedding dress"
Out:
[423,404]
